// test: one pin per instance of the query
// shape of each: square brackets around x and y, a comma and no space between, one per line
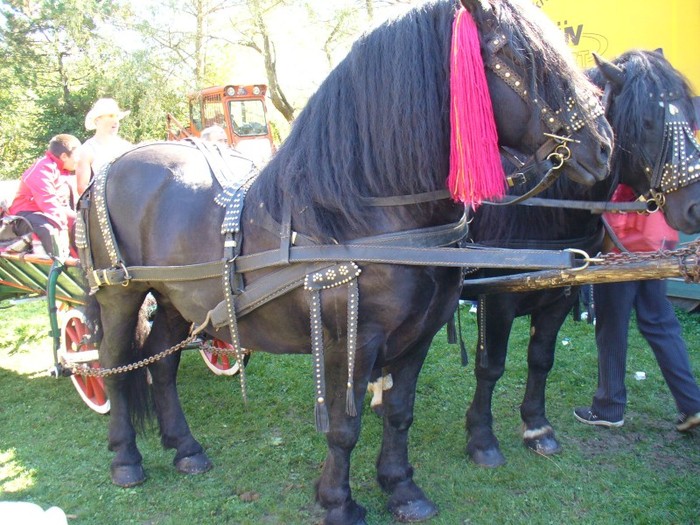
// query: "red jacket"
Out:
[638,232]
[47,188]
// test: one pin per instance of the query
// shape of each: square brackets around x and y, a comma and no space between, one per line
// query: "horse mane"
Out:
[648,75]
[379,124]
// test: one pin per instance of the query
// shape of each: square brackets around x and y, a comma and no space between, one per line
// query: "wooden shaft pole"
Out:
[628,271]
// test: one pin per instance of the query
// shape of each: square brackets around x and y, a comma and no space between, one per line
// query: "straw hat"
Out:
[104,106]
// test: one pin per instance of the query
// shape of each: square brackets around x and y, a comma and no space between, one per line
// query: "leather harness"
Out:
[299,261]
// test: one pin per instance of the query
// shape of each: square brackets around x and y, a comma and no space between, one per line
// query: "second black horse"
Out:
[640,84]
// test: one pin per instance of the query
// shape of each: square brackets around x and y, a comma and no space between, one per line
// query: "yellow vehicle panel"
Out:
[612,27]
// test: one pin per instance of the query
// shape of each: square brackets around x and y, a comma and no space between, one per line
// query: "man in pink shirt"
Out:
[45,192]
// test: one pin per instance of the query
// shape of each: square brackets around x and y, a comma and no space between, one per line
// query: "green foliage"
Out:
[61,57]
[267,454]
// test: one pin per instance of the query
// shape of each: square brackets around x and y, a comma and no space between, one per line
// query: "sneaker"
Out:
[587,416]
[687,422]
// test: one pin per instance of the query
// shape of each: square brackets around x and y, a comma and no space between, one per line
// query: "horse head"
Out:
[544,106]
[657,153]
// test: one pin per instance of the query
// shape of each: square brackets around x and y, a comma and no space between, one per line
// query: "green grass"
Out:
[267,454]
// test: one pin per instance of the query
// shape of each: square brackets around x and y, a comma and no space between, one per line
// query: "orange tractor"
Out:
[239,110]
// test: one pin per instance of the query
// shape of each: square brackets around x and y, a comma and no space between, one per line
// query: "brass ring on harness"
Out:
[658,200]
[557,159]
[564,151]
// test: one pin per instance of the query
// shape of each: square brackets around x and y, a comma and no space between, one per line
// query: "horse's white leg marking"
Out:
[377,388]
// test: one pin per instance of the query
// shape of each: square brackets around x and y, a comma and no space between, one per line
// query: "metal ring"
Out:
[658,197]
[564,151]
[127,277]
[587,259]
[559,158]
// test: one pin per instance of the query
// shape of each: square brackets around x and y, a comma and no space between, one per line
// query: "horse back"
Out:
[160,199]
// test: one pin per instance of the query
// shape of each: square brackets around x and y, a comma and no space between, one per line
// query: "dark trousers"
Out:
[43,227]
[657,322]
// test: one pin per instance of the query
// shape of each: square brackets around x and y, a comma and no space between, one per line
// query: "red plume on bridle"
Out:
[476,173]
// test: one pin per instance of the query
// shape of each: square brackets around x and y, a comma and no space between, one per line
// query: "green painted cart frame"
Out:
[61,283]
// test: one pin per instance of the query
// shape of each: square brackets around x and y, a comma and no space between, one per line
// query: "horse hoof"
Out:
[414,511]
[126,476]
[489,458]
[348,514]
[546,445]
[196,464]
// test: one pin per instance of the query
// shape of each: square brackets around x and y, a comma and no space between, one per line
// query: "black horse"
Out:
[641,87]
[377,131]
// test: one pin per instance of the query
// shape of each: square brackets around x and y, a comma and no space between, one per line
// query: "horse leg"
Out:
[407,501]
[169,329]
[126,391]
[333,487]
[538,434]
[494,323]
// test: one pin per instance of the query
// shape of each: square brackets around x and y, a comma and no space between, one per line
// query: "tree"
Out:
[259,39]
[44,44]
[184,31]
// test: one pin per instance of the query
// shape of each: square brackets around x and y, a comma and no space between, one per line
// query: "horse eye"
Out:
[648,124]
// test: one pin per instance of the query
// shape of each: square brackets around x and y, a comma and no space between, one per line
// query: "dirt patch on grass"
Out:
[662,447]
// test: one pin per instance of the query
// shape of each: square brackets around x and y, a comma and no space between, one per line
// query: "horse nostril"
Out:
[604,153]
[694,214]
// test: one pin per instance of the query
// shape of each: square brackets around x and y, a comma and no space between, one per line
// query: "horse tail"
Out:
[135,382]
[138,391]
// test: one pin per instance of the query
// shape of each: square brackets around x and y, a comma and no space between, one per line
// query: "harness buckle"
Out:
[516,179]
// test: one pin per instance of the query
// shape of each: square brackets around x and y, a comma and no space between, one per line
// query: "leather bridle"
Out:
[674,167]
[561,124]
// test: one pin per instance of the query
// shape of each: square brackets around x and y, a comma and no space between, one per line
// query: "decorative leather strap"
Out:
[406,200]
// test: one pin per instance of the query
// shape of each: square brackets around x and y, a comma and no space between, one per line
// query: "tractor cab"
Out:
[239,110]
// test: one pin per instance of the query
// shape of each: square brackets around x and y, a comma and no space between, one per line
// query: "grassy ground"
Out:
[267,455]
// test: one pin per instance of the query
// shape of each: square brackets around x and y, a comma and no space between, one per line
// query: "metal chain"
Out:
[686,251]
[85,370]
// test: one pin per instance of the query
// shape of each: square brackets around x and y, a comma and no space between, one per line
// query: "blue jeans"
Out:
[657,322]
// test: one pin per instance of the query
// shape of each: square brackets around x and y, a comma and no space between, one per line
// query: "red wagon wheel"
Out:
[221,364]
[77,348]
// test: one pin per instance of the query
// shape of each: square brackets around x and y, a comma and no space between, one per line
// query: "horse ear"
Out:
[659,51]
[472,5]
[612,73]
